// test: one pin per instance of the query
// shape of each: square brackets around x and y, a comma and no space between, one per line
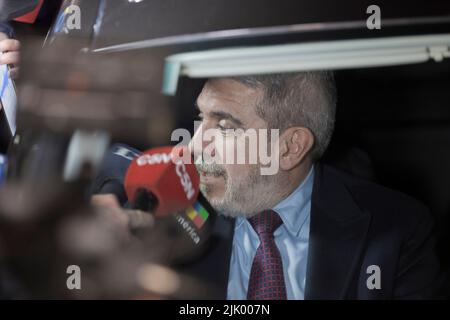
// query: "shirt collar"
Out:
[293,210]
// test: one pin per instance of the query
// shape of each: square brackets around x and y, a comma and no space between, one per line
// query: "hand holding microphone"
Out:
[162,189]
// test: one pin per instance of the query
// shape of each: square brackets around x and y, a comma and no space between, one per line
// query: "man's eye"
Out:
[225,129]
[224,126]
[228,132]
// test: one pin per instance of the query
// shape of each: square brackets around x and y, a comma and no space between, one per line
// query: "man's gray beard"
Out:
[245,199]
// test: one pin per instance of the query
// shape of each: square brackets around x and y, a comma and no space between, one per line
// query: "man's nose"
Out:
[198,144]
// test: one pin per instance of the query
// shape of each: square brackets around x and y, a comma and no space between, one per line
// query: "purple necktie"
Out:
[266,277]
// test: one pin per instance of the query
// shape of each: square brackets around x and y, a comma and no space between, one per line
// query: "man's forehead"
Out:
[228,93]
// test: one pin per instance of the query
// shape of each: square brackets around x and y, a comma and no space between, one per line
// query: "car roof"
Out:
[218,23]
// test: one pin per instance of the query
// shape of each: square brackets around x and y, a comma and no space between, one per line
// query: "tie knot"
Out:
[265,222]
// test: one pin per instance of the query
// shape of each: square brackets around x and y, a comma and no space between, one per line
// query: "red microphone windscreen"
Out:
[163,172]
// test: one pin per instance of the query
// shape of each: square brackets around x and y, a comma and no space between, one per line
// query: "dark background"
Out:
[399,119]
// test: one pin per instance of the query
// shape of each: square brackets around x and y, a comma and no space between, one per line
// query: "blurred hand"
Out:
[11,54]
[133,219]
[107,200]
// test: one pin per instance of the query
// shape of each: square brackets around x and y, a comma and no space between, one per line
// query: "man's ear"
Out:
[295,145]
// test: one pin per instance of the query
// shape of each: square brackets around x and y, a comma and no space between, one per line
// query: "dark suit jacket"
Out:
[354,224]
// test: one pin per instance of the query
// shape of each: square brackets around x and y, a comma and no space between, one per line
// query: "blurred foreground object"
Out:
[71,104]
[11,9]
[30,17]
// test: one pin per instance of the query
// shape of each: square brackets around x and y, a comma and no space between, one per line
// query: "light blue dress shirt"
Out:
[291,238]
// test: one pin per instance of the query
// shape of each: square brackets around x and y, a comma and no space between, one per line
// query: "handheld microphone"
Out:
[153,182]
[161,182]
[111,175]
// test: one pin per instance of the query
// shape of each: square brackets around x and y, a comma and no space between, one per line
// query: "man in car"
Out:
[308,231]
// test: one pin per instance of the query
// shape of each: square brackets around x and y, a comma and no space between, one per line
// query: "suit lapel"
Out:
[337,235]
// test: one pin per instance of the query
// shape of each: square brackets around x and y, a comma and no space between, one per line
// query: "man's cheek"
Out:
[216,190]
[239,149]
[225,149]
[236,172]
[247,146]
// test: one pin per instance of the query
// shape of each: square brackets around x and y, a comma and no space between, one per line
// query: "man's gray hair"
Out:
[305,99]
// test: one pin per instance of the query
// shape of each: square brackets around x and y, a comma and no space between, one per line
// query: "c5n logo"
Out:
[74,280]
